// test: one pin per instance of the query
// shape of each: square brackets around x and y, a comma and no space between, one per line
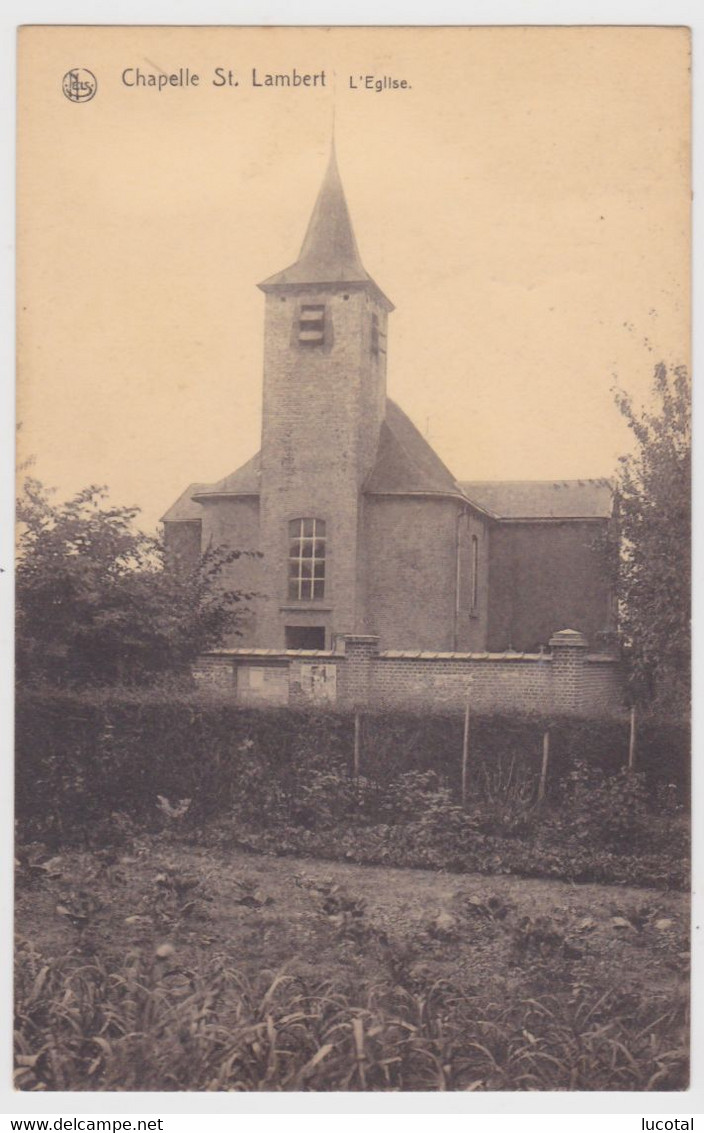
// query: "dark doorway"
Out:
[305,637]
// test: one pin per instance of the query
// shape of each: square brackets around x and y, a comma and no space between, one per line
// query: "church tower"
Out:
[360,526]
[324,404]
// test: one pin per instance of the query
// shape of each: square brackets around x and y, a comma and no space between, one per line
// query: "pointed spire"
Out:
[329,253]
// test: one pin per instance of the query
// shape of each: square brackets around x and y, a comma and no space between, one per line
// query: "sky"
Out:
[524,202]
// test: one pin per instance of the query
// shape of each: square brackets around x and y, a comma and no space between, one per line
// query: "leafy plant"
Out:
[326,797]
[613,809]
[95,603]
[653,534]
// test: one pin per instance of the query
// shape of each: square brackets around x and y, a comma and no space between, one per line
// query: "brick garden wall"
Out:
[602,685]
[437,681]
[566,680]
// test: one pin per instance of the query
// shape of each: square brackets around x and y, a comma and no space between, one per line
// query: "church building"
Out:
[360,526]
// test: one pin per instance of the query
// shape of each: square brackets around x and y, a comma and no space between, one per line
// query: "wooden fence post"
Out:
[632,740]
[465,753]
[357,731]
[544,765]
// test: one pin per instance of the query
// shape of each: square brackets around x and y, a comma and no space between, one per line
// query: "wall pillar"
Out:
[360,650]
[569,657]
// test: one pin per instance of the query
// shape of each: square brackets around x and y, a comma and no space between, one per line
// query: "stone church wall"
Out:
[537,568]
[182,544]
[411,573]
[473,616]
[234,524]
[410,567]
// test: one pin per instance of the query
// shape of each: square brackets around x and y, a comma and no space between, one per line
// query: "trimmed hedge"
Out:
[81,757]
[400,742]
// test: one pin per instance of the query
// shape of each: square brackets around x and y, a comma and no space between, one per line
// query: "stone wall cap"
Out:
[269,654]
[411,655]
[569,637]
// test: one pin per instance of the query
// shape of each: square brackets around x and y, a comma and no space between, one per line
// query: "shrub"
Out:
[611,809]
[325,798]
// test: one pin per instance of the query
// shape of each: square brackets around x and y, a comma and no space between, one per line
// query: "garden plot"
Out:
[169,967]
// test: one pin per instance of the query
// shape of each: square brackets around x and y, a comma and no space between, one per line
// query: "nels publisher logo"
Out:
[79,84]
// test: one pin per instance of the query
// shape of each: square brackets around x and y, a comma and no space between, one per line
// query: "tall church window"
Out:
[306,559]
[311,324]
[475,573]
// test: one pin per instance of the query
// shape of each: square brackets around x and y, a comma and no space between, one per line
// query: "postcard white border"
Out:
[297,13]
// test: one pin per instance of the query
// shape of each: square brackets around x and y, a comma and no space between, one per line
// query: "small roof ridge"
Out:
[184,509]
[244,481]
[542,499]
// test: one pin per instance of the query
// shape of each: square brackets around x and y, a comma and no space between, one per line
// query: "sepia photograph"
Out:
[353,559]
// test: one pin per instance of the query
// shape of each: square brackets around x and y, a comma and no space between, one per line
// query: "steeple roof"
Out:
[405,462]
[329,253]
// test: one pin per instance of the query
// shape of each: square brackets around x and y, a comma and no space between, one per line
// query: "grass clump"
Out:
[145,1021]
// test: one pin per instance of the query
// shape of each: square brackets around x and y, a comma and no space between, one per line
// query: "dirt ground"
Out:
[353,924]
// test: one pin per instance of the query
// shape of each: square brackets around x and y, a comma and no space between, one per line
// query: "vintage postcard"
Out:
[354,559]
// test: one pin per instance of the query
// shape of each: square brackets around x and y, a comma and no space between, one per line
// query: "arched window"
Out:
[306,559]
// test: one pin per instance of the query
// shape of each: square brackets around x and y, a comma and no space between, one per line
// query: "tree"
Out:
[95,603]
[654,527]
